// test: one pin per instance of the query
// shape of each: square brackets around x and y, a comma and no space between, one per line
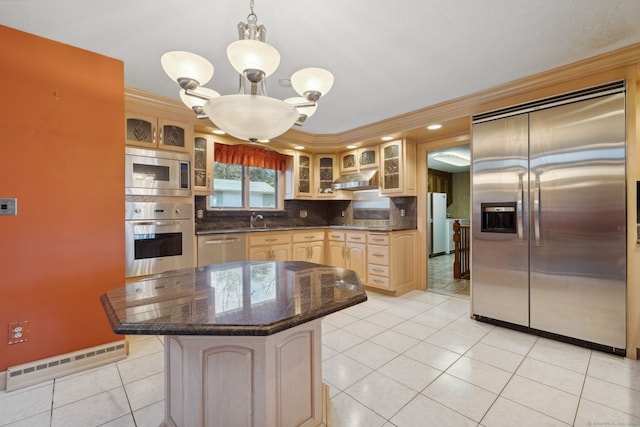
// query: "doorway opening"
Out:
[448,199]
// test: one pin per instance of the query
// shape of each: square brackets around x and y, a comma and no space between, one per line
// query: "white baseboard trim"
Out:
[31,373]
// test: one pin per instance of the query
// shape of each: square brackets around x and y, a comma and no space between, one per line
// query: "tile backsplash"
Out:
[318,213]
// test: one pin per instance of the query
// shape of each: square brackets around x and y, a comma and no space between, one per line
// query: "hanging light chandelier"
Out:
[251,114]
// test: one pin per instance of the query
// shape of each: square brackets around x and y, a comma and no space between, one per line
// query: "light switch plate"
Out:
[8,207]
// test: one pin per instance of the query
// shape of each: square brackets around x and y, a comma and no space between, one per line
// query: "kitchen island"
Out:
[242,339]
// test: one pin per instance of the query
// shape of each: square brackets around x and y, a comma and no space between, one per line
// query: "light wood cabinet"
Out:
[203,146]
[299,177]
[308,246]
[391,261]
[325,173]
[151,132]
[336,250]
[356,253]
[441,182]
[269,246]
[398,168]
[362,158]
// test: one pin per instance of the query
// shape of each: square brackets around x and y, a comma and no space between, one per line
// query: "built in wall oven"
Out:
[157,173]
[159,237]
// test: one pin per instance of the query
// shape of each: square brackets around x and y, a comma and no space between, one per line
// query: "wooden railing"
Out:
[461,263]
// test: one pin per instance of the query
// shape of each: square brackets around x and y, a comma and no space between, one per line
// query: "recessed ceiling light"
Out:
[299,147]
[219,132]
[434,126]
[386,138]
[351,147]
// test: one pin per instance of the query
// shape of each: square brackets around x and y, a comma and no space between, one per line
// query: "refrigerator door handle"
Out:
[536,211]
[520,210]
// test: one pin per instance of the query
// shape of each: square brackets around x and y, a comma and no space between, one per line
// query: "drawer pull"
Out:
[378,269]
[378,281]
[356,238]
[308,237]
[377,240]
[378,255]
[271,240]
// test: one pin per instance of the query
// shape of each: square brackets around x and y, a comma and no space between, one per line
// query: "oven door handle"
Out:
[158,223]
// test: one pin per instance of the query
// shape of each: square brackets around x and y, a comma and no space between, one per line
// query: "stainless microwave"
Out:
[157,173]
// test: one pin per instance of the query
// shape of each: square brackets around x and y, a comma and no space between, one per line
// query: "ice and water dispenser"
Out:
[498,217]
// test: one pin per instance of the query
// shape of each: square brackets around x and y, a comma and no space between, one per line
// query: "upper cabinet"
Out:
[325,174]
[299,177]
[203,146]
[398,168]
[349,161]
[363,158]
[311,176]
[156,133]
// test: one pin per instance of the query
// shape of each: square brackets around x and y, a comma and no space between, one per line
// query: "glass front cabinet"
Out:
[397,167]
[151,132]
[325,168]
[203,146]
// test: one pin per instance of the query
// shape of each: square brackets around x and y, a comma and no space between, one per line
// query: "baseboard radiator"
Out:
[58,366]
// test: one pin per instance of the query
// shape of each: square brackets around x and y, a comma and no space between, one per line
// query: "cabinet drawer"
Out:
[335,236]
[378,239]
[309,236]
[378,270]
[259,239]
[378,255]
[356,237]
[379,281]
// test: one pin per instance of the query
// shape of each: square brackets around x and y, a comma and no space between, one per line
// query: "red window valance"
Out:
[249,156]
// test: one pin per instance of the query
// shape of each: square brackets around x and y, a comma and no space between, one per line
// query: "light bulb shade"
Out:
[307,110]
[253,55]
[251,117]
[184,65]
[195,101]
[312,80]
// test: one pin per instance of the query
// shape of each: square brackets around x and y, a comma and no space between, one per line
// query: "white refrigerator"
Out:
[437,209]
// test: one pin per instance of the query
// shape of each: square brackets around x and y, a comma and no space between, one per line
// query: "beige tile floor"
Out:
[415,360]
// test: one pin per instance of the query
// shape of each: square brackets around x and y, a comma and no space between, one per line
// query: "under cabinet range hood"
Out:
[363,180]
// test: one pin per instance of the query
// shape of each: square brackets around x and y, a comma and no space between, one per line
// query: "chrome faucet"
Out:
[254,218]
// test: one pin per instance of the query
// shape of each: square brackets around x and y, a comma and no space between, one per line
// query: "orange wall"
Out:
[61,155]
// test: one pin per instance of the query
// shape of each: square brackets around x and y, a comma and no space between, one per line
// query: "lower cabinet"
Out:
[391,261]
[308,246]
[356,253]
[267,246]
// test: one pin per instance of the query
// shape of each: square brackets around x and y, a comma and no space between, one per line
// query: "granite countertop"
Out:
[292,228]
[239,298]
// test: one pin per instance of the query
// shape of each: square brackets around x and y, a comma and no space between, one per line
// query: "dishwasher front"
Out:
[219,248]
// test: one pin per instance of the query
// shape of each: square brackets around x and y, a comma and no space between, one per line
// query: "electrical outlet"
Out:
[402,212]
[18,332]
[303,213]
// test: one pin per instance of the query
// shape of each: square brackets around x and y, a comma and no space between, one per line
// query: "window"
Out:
[240,187]
[246,177]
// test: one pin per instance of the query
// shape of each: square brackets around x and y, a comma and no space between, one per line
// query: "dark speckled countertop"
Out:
[329,227]
[239,298]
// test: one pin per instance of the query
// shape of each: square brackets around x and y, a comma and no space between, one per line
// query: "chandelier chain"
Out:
[252,17]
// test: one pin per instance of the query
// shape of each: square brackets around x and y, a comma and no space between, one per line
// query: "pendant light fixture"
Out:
[251,114]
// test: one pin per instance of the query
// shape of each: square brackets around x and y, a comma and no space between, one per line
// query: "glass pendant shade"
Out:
[251,117]
[194,101]
[185,65]
[312,80]
[298,100]
[253,55]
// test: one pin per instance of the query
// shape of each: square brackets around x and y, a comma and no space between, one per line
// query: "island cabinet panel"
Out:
[271,381]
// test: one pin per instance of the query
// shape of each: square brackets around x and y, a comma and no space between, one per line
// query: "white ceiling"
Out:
[388,57]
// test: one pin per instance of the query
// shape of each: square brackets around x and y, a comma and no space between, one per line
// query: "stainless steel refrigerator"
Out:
[549,216]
